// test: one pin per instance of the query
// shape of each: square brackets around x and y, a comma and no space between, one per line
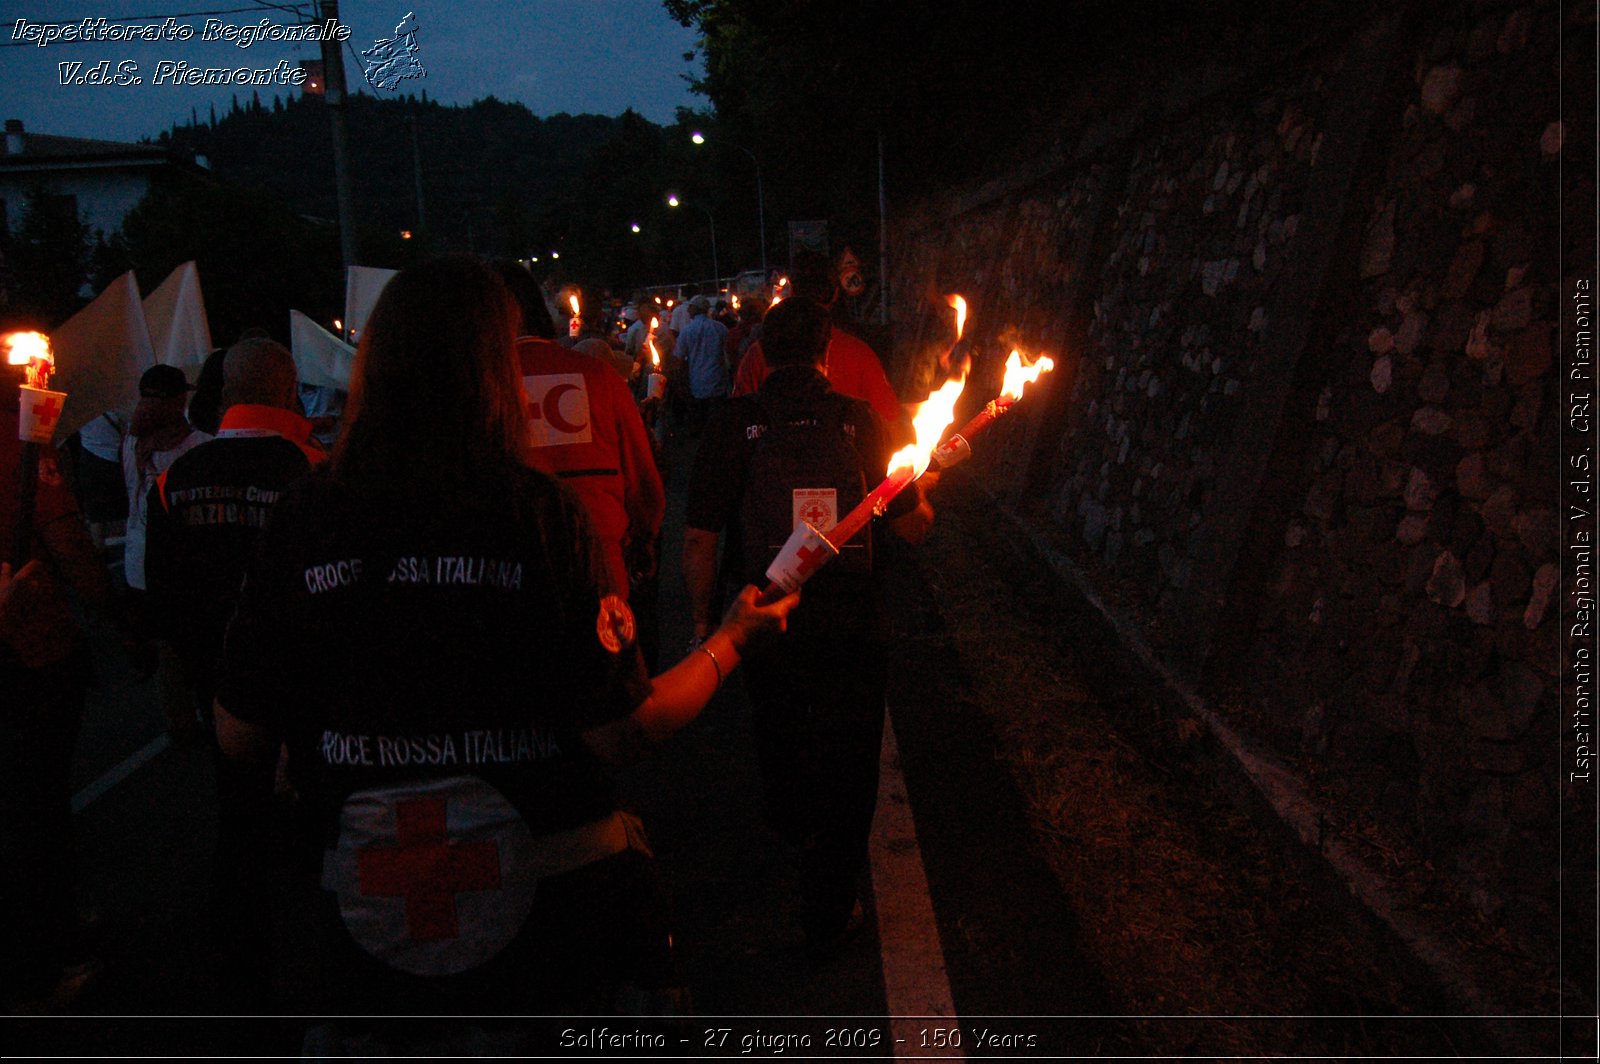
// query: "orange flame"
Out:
[650,341]
[31,349]
[1019,376]
[961,313]
[572,301]
[932,417]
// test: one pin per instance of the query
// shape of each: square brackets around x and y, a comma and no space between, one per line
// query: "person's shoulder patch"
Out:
[614,625]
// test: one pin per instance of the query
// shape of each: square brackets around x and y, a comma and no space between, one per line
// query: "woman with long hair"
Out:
[421,628]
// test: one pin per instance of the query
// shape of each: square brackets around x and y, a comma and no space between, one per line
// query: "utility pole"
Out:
[883,242]
[333,81]
[416,166]
[716,267]
[761,212]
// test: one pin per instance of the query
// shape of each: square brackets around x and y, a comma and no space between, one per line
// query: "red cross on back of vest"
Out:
[432,877]
[427,870]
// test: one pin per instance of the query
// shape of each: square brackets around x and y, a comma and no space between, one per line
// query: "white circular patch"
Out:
[433,878]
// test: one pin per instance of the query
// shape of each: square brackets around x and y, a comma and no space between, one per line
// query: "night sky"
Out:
[577,56]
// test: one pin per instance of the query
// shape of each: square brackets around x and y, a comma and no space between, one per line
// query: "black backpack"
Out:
[803,465]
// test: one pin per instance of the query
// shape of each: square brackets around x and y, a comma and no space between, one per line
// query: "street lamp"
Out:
[761,200]
[716,270]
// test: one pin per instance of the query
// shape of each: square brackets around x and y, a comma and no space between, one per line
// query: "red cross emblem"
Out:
[47,409]
[811,559]
[427,869]
[815,514]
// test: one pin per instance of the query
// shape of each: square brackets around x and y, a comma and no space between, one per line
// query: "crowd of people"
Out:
[420,657]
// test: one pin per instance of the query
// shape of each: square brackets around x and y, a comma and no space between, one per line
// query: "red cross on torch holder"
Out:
[905,465]
[958,447]
[807,549]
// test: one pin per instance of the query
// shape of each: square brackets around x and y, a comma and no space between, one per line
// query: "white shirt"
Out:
[680,318]
[139,482]
[103,436]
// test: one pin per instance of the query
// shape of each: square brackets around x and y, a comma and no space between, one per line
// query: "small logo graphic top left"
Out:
[393,59]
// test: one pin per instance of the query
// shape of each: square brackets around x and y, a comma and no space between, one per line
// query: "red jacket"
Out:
[586,432]
[853,370]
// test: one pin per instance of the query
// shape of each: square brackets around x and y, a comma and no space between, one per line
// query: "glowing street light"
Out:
[761,201]
[634,227]
[716,271]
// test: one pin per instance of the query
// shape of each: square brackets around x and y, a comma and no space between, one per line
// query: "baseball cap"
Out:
[163,382]
[700,301]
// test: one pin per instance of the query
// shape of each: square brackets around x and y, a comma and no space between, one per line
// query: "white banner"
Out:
[180,334]
[320,358]
[101,352]
[362,287]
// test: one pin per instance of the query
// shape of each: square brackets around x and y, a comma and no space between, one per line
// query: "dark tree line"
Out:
[957,90]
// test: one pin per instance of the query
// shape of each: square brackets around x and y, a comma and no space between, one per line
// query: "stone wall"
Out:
[1307,429]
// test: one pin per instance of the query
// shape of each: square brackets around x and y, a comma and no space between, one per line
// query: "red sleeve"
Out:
[859,373]
[643,496]
[751,372]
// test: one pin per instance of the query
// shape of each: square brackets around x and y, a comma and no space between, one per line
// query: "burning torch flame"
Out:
[31,349]
[961,313]
[932,417]
[1019,376]
[572,301]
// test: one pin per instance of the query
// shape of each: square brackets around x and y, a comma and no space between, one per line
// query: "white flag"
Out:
[320,358]
[180,334]
[101,352]
[362,287]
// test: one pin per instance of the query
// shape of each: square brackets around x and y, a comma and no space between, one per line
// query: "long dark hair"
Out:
[436,405]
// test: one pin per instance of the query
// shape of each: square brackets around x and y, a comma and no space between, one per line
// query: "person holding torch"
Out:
[423,627]
[45,673]
[798,451]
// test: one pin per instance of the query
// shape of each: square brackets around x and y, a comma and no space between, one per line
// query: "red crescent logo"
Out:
[614,625]
[552,409]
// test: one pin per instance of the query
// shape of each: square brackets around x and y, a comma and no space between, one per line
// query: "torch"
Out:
[39,410]
[959,304]
[577,322]
[809,548]
[656,383]
[958,448]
